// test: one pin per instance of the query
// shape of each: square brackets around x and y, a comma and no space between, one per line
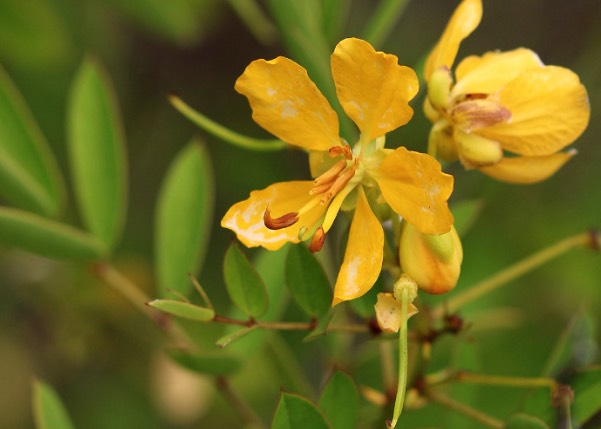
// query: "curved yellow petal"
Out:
[549,110]
[414,185]
[287,103]
[373,89]
[364,254]
[528,169]
[493,70]
[246,217]
[465,19]
[389,311]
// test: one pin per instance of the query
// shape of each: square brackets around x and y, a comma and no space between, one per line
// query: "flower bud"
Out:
[441,143]
[439,88]
[433,261]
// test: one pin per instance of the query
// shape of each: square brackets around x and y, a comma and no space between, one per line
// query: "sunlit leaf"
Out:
[97,153]
[45,237]
[339,401]
[245,287]
[183,309]
[213,364]
[307,281]
[296,412]
[525,421]
[48,410]
[183,218]
[466,213]
[29,177]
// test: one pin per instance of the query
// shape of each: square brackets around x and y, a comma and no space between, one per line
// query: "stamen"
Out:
[318,240]
[280,222]
[338,184]
[331,174]
[320,189]
[341,150]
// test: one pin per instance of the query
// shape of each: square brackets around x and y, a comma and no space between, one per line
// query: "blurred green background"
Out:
[59,324]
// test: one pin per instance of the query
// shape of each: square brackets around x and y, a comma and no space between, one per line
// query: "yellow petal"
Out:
[549,110]
[372,87]
[490,72]
[288,104]
[413,184]
[434,262]
[465,19]
[389,311]
[476,151]
[363,256]
[246,217]
[528,169]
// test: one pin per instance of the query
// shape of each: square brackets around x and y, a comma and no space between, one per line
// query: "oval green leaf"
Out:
[97,153]
[245,287]
[183,309]
[183,218]
[213,364]
[339,401]
[48,410]
[307,281]
[525,421]
[295,412]
[45,237]
[29,176]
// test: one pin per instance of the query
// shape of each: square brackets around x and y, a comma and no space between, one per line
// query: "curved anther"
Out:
[279,222]
[317,241]
[341,150]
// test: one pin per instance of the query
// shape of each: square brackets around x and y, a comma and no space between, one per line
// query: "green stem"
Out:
[292,326]
[496,380]
[224,133]
[256,21]
[383,20]
[132,293]
[247,415]
[467,411]
[512,272]
[403,358]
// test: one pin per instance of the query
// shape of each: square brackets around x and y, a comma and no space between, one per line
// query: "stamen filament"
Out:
[338,184]
[332,173]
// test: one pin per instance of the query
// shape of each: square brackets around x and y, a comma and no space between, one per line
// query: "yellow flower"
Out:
[374,90]
[501,102]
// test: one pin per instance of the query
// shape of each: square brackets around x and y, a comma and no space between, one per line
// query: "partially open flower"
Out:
[389,312]
[433,261]
[501,103]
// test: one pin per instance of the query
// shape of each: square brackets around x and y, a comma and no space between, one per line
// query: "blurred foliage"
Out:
[106,361]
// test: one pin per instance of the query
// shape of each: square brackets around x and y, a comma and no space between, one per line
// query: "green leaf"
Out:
[245,287]
[307,281]
[322,327]
[181,21]
[183,309]
[213,364]
[525,421]
[587,398]
[466,213]
[29,176]
[296,412]
[97,153]
[45,237]
[183,218]
[233,336]
[48,410]
[339,401]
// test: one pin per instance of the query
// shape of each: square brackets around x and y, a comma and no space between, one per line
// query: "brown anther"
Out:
[332,173]
[479,113]
[317,241]
[476,96]
[338,184]
[279,222]
[341,150]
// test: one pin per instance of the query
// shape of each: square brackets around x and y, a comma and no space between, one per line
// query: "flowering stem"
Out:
[290,326]
[512,272]
[383,20]
[223,133]
[402,386]
[467,411]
